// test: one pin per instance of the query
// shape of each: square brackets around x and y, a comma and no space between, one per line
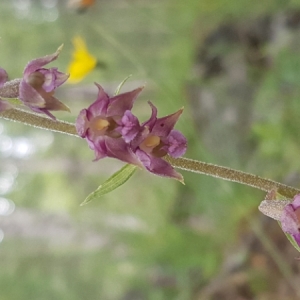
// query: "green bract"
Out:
[116,180]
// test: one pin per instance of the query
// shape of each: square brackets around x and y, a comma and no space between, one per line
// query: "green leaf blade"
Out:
[116,180]
[117,92]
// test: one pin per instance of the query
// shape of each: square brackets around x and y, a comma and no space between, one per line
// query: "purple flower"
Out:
[287,212]
[38,85]
[108,125]
[4,105]
[157,139]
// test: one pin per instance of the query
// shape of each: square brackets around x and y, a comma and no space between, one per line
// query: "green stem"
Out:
[232,175]
[36,120]
[186,164]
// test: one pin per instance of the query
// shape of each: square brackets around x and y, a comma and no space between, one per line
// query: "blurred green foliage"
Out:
[162,240]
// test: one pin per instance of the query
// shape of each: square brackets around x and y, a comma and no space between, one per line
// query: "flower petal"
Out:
[177,143]
[99,107]
[53,78]
[30,96]
[150,123]
[99,146]
[158,166]
[122,102]
[163,126]
[129,126]
[52,103]
[117,148]
[38,63]
[289,221]
[80,123]
[43,111]
[296,202]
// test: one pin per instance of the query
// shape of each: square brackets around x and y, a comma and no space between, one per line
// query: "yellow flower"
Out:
[82,63]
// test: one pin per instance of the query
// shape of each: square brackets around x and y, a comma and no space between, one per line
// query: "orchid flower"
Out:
[108,123]
[157,139]
[38,85]
[287,212]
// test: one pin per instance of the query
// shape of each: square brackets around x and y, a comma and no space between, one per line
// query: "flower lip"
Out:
[157,139]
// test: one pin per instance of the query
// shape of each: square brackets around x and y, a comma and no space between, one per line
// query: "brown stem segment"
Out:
[186,164]
[232,175]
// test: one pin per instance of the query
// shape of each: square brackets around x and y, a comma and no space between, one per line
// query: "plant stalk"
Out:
[36,120]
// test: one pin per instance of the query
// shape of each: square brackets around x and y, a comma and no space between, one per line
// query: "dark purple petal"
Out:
[142,134]
[39,100]
[150,123]
[3,77]
[30,96]
[117,148]
[129,126]
[43,111]
[81,123]
[52,103]
[158,166]
[38,84]
[38,63]
[122,102]
[99,147]
[53,78]
[99,107]
[177,143]
[163,126]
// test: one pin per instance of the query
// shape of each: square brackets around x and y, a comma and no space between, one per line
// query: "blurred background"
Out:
[235,67]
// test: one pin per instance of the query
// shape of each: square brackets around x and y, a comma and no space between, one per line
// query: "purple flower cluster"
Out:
[108,125]
[37,86]
[111,130]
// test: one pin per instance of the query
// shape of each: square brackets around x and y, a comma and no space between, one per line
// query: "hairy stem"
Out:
[186,164]
[232,175]
[36,120]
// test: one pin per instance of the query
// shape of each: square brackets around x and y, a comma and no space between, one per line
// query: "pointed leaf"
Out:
[117,92]
[116,180]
